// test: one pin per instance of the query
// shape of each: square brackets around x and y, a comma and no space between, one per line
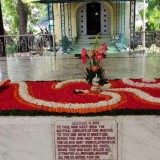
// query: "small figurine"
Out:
[95,85]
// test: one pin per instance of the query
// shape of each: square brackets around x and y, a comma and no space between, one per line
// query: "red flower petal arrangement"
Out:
[60,97]
[94,94]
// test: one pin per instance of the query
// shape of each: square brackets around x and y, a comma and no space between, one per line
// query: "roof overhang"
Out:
[68,1]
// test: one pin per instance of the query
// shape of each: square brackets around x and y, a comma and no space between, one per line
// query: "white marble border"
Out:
[33,137]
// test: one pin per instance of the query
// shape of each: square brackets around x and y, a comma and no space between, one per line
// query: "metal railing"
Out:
[27,45]
[40,44]
[134,44]
[152,42]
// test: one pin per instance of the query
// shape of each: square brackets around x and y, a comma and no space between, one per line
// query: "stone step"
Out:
[94,36]
[80,42]
[89,39]
[92,40]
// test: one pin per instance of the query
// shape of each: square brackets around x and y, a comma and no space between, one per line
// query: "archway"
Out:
[93,18]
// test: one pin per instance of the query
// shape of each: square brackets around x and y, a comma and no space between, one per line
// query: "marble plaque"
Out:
[86,140]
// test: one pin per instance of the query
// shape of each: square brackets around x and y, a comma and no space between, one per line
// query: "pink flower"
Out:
[83,52]
[104,46]
[104,52]
[97,51]
[98,57]
[95,68]
[83,55]
[90,54]
[84,59]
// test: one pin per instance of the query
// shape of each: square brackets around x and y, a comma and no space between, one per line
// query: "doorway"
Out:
[93,18]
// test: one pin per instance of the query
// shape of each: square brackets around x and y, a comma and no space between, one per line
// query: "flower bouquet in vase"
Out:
[93,59]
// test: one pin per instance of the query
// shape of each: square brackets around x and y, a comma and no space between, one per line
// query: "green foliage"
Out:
[66,44]
[141,13]
[116,112]
[91,74]
[154,3]
[11,48]
[36,13]
[10,15]
[153,15]
[96,42]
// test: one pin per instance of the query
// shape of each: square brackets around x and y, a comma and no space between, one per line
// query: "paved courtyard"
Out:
[63,67]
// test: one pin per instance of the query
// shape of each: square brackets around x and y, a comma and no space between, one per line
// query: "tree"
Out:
[2,46]
[152,15]
[23,15]
[19,15]
[154,3]
[10,15]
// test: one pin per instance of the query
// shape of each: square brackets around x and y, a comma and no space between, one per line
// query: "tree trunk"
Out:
[23,15]
[2,45]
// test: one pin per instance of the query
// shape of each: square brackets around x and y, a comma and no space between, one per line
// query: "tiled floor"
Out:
[65,66]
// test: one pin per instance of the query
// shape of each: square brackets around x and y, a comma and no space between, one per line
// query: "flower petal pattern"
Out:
[61,97]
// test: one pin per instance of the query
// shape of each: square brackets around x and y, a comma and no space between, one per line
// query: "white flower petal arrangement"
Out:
[140,84]
[23,92]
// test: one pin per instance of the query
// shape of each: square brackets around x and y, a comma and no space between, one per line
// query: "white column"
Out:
[143,42]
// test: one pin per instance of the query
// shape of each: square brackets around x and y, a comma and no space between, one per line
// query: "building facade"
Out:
[89,18]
